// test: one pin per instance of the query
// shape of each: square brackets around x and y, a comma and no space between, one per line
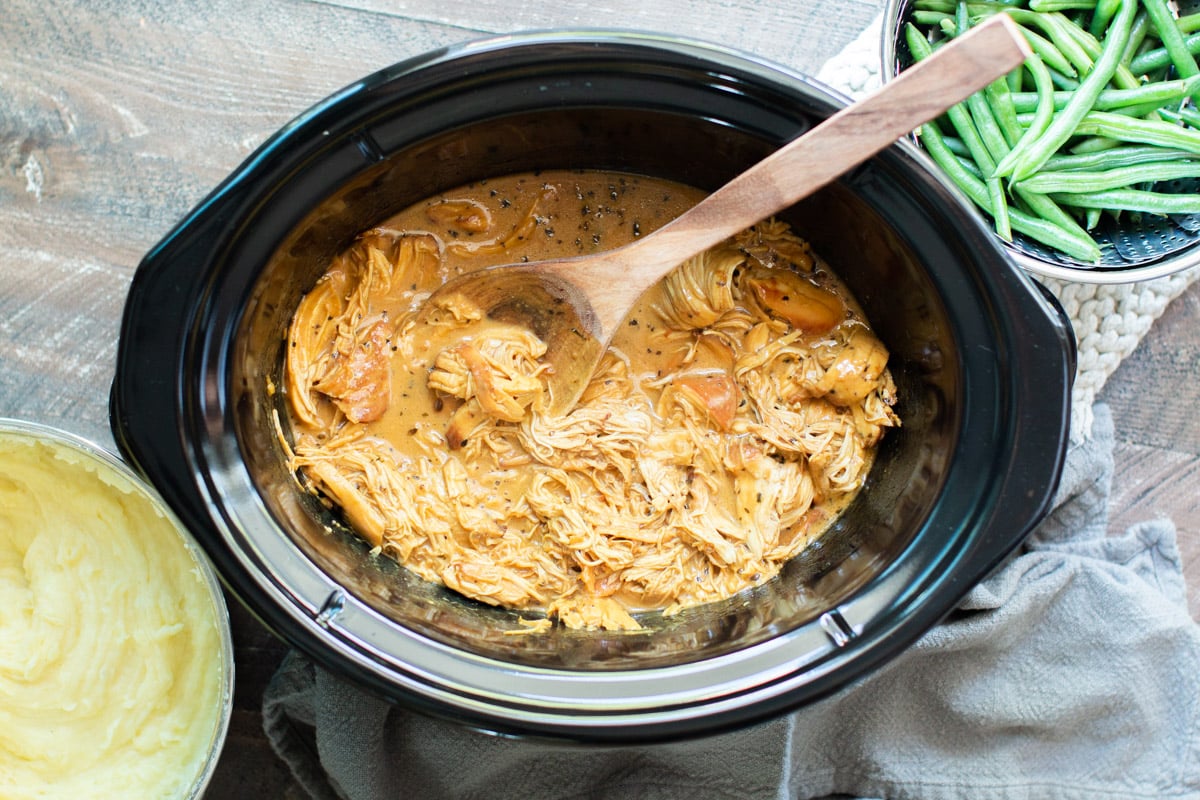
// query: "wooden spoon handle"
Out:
[846,139]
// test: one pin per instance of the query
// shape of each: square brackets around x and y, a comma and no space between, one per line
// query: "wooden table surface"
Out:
[117,116]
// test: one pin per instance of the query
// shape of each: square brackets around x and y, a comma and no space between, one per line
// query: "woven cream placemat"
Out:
[1109,320]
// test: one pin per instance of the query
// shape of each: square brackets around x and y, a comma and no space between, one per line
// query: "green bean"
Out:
[957,114]
[929,18]
[977,105]
[1145,110]
[1122,78]
[1154,76]
[1049,182]
[1076,246]
[1061,5]
[971,167]
[993,140]
[1067,35]
[1092,218]
[1046,50]
[1187,115]
[934,142]
[1000,100]
[1056,28]
[1025,118]
[1001,213]
[1132,200]
[1041,119]
[1026,102]
[1048,209]
[1171,38]
[948,6]
[956,146]
[1103,14]
[962,121]
[1092,145]
[1064,124]
[1143,131]
[1015,79]
[1063,82]
[1119,156]
[1188,23]
[1141,26]
[1075,43]
[1162,93]
[1159,57]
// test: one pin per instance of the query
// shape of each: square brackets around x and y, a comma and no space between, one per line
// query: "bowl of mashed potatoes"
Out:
[801,451]
[116,666]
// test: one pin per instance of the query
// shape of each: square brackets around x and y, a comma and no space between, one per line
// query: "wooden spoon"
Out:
[575,304]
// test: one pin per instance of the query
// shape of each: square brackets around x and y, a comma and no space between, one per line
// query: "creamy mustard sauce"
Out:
[111,671]
[572,214]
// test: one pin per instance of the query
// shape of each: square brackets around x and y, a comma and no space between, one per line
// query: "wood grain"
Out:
[801,35]
[118,116]
[1154,396]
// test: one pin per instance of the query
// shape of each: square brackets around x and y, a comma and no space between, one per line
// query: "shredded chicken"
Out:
[731,420]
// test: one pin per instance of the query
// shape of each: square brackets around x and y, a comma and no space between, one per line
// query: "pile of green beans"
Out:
[1097,116]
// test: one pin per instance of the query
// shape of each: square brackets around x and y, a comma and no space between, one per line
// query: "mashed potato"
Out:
[111,672]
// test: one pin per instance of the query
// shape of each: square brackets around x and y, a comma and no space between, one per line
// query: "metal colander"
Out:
[1138,247]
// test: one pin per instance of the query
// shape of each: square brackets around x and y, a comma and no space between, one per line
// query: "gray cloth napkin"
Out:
[1072,672]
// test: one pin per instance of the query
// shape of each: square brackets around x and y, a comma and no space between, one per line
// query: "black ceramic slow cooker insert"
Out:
[981,359]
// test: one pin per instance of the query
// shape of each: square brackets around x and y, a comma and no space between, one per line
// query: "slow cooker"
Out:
[982,359]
